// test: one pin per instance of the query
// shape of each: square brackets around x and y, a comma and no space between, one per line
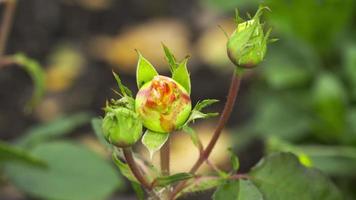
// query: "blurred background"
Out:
[301,99]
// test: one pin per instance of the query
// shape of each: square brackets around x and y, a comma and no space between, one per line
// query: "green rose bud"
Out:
[247,45]
[163,104]
[122,127]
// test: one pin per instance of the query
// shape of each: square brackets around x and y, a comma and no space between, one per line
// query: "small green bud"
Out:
[163,104]
[121,127]
[247,45]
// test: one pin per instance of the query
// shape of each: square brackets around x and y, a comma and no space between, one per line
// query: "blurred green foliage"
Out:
[304,99]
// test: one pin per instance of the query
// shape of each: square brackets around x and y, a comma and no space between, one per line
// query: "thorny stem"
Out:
[134,168]
[165,158]
[6,23]
[231,97]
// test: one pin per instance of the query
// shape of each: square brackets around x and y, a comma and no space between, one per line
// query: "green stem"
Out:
[233,91]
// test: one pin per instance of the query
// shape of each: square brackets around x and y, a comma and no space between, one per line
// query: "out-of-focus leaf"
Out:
[65,65]
[330,100]
[280,118]
[140,194]
[234,160]
[153,141]
[74,173]
[181,75]
[124,168]
[96,124]
[59,127]
[298,18]
[229,5]
[9,153]
[281,176]
[145,71]
[350,67]
[237,190]
[34,69]
[167,180]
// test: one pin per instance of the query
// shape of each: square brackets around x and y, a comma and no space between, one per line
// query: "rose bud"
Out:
[163,104]
[121,127]
[247,45]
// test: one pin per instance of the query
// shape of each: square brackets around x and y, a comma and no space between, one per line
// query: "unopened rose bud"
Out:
[122,127]
[247,45]
[163,104]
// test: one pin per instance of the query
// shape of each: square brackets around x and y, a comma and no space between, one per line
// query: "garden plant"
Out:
[162,106]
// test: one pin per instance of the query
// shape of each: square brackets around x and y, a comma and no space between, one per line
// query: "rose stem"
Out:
[165,158]
[134,168]
[6,23]
[231,97]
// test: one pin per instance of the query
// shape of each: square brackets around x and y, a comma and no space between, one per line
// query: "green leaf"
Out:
[124,168]
[125,91]
[140,194]
[205,103]
[34,69]
[237,190]
[234,160]
[153,141]
[181,75]
[330,105]
[59,127]
[167,180]
[145,71]
[196,112]
[96,124]
[173,65]
[193,136]
[350,67]
[281,176]
[9,153]
[74,173]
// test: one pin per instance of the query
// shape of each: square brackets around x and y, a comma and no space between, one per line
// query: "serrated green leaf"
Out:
[173,65]
[153,141]
[37,74]
[145,71]
[281,176]
[237,190]
[9,153]
[72,169]
[124,168]
[181,75]
[59,127]
[125,91]
[168,180]
[193,136]
[234,160]
[96,124]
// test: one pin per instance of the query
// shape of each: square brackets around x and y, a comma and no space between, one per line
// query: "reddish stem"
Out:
[6,23]
[134,168]
[234,87]
[165,158]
